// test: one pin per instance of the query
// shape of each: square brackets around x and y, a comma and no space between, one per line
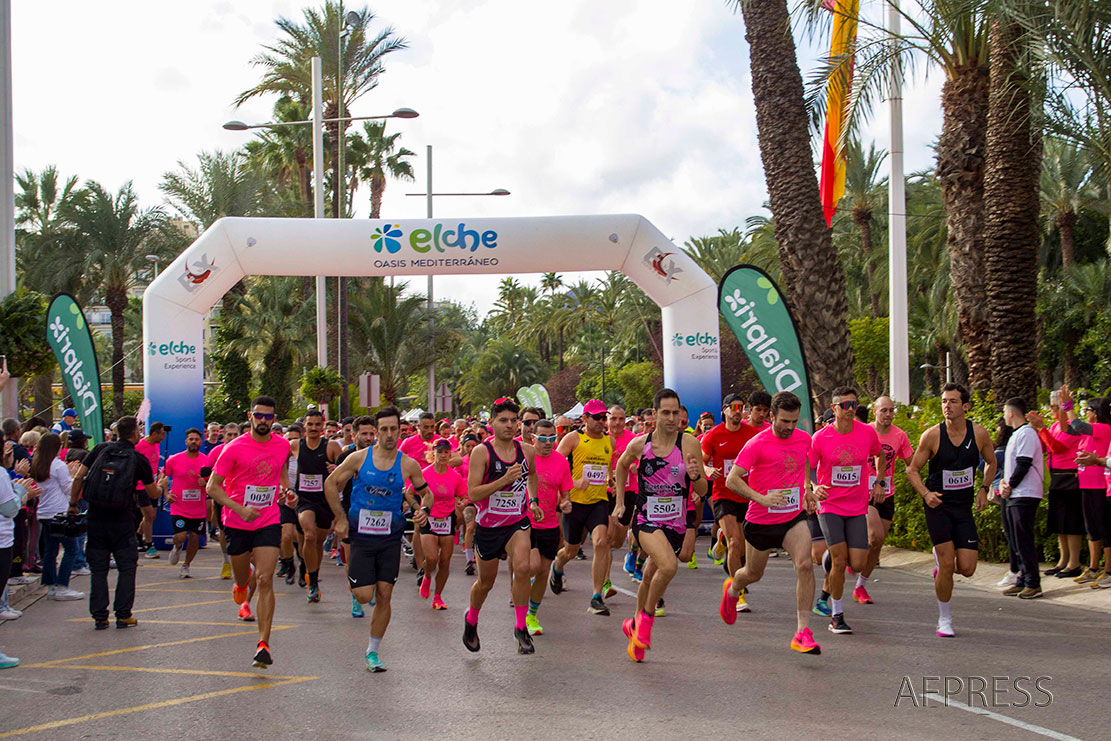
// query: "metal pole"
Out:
[341,282]
[948,367]
[9,398]
[318,206]
[431,362]
[898,322]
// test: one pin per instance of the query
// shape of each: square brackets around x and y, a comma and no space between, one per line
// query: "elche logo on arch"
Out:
[170,348]
[700,339]
[390,238]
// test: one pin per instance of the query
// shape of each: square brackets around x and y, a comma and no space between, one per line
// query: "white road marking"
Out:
[1048,733]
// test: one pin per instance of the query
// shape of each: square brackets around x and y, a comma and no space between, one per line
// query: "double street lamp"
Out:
[318,122]
[429,195]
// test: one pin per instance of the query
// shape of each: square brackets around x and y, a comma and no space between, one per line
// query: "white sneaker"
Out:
[185,571]
[51,591]
[175,554]
[945,627]
[16,581]
[112,562]
[1007,580]
[83,571]
[10,613]
[65,594]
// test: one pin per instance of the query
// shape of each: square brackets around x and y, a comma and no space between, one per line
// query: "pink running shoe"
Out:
[860,594]
[642,634]
[438,604]
[425,587]
[635,652]
[803,642]
[728,607]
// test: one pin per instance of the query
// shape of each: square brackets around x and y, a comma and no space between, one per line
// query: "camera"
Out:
[68,525]
[167,428]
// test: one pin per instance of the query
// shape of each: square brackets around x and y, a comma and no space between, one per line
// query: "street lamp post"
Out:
[318,122]
[428,195]
[350,21]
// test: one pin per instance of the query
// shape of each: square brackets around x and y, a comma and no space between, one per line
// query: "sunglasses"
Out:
[528,422]
[846,405]
[263,415]
[736,407]
[546,438]
[597,417]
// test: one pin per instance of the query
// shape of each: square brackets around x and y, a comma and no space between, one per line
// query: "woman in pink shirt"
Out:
[438,534]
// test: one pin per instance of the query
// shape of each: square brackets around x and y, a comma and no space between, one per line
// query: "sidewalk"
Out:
[1058,591]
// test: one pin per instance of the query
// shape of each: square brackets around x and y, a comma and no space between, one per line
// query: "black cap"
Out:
[827,416]
[729,399]
[76,436]
[443,442]
[470,437]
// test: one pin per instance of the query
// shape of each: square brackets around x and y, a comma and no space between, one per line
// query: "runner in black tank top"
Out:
[315,458]
[949,491]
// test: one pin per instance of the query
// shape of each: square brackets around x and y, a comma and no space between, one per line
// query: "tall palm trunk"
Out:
[1011,205]
[960,167]
[814,281]
[116,300]
[377,190]
[1066,222]
[43,390]
[863,219]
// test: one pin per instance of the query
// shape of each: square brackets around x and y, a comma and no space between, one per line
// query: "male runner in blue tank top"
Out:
[375,521]
[954,449]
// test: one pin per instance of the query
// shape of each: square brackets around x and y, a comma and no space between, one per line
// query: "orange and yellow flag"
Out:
[831,184]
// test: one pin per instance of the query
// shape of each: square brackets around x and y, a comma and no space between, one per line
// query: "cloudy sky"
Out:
[583,107]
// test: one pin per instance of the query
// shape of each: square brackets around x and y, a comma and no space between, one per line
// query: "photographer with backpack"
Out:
[107,480]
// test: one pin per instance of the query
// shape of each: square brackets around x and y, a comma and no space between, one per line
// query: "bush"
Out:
[23,334]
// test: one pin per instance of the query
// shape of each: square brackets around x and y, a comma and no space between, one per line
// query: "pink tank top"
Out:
[664,488]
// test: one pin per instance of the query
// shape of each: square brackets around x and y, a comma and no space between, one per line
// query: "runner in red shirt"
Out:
[720,447]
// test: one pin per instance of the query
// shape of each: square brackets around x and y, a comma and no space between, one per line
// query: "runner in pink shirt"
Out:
[896,446]
[187,498]
[438,535]
[247,480]
[215,510]
[841,452]
[779,495]
[619,529]
[419,448]
[553,474]
[149,447]
[467,509]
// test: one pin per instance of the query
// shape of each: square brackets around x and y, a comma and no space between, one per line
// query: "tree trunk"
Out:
[43,391]
[1011,207]
[960,167]
[813,278]
[1065,224]
[1072,367]
[863,219]
[377,190]
[116,300]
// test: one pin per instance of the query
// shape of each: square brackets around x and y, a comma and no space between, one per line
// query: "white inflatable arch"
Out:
[176,302]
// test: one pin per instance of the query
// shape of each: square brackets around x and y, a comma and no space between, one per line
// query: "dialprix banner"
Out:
[70,339]
[757,312]
[535,396]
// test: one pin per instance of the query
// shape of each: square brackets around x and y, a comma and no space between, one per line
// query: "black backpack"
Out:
[111,482]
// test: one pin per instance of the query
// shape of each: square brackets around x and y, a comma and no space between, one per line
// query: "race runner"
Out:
[669,464]
[292,535]
[315,458]
[896,446]
[438,535]
[365,434]
[374,522]
[501,477]
[619,529]
[245,482]
[467,509]
[215,518]
[149,448]
[953,449]
[841,452]
[419,448]
[780,495]
[720,447]
[187,498]
[553,475]
[591,454]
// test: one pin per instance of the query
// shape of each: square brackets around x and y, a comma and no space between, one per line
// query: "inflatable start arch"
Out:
[176,302]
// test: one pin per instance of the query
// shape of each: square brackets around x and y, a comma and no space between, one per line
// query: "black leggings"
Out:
[5,564]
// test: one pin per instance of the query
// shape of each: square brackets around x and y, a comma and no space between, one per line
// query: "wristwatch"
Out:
[534,500]
[426,510]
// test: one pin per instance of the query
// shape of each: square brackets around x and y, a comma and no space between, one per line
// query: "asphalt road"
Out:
[185,670]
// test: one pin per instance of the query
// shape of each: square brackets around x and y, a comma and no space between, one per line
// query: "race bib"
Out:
[191,495]
[845,476]
[663,509]
[594,475]
[507,503]
[372,522]
[792,504]
[310,482]
[1080,467]
[887,483]
[956,480]
[726,467]
[258,496]
[440,525]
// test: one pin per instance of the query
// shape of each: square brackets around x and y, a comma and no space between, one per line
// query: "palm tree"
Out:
[1067,188]
[865,191]
[813,279]
[274,331]
[221,185]
[1011,233]
[382,159]
[389,334]
[117,235]
[551,282]
[716,254]
[499,370]
[280,155]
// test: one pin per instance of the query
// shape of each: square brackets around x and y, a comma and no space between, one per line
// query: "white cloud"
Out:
[575,107]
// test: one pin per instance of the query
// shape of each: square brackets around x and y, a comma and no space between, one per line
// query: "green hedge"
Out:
[908,529]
